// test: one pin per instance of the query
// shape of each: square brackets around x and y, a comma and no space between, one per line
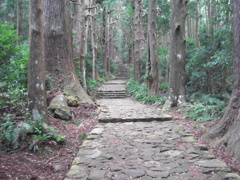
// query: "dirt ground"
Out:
[51,161]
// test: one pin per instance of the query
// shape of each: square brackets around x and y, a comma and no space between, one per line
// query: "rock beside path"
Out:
[59,108]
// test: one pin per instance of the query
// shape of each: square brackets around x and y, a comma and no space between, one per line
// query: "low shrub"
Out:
[13,133]
[140,92]
[206,107]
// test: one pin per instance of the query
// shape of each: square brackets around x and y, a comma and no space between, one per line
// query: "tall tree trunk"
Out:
[84,36]
[189,34]
[93,40]
[138,38]
[18,19]
[58,50]
[152,61]
[36,69]
[111,46]
[177,56]
[104,42]
[227,132]
[78,28]
[108,45]
[197,22]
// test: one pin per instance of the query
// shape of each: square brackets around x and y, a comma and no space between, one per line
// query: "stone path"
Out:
[143,150]
[128,110]
[113,89]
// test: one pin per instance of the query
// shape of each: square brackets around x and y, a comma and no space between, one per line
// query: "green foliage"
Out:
[163,20]
[206,107]
[8,40]
[12,134]
[92,84]
[140,92]
[113,68]
[83,136]
[208,66]
[164,86]
[13,72]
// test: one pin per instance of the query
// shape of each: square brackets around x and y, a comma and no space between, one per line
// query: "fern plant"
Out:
[206,107]
[12,133]
[140,92]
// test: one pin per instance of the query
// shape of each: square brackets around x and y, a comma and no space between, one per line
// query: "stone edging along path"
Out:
[123,147]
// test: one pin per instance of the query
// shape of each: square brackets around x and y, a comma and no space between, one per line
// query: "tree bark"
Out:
[93,40]
[85,30]
[108,45]
[197,23]
[104,42]
[177,56]
[138,38]
[58,50]
[77,28]
[152,61]
[18,19]
[36,69]
[227,132]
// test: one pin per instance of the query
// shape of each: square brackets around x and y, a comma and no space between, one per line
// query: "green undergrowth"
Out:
[93,84]
[140,92]
[14,134]
[206,107]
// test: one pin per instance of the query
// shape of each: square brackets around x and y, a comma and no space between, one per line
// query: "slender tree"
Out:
[227,132]
[84,36]
[177,56]
[197,24]
[78,28]
[152,61]
[58,49]
[93,38]
[138,38]
[36,68]
[104,41]
[18,18]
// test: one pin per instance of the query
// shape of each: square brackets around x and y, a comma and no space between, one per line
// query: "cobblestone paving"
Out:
[125,110]
[143,150]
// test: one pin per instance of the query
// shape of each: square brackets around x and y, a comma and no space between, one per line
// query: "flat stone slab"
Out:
[128,110]
[112,87]
[213,163]
[116,81]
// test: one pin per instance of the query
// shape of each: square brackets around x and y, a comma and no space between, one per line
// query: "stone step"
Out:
[114,92]
[111,97]
[122,78]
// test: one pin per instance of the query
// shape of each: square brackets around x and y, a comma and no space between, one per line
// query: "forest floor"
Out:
[50,161]
[53,161]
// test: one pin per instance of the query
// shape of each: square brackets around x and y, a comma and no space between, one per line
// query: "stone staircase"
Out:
[111,94]
[114,89]
[123,71]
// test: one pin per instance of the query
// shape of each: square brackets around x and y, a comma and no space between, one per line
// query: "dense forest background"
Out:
[209,49]
[101,35]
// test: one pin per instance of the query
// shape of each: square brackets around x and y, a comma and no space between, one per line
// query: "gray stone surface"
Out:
[124,110]
[59,108]
[143,150]
[134,151]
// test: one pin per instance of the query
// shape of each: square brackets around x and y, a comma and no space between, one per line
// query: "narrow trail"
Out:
[136,141]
